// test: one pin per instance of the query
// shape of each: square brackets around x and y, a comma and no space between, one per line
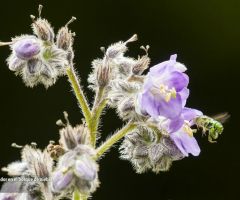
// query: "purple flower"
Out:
[27,48]
[61,180]
[180,131]
[86,168]
[76,166]
[165,90]
[183,138]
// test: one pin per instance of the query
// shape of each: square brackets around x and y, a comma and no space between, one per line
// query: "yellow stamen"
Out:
[173,93]
[168,97]
[187,129]
[168,93]
[64,170]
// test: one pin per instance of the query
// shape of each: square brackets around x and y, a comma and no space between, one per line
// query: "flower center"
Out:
[166,92]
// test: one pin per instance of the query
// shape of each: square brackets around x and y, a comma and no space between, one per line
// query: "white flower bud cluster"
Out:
[148,152]
[76,167]
[121,76]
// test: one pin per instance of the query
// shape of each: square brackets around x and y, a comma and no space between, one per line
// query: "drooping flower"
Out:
[164,90]
[180,131]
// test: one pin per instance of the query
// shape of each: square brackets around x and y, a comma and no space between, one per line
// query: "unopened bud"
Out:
[70,136]
[119,48]
[61,180]
[65,36]
[141,65]
[103,74]
[126,108]
[86,168]
[44,31]
[26,48]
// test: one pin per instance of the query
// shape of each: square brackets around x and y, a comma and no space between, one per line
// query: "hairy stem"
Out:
[78,196]
[98,106]
[73,79]
[5,43]
[99,96]
[115,138]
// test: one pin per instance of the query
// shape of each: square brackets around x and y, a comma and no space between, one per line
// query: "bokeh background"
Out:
[206,36]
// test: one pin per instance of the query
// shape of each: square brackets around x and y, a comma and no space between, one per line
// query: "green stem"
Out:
[98,98]
[99,105]
[114,138]
[78,196]
[73,79]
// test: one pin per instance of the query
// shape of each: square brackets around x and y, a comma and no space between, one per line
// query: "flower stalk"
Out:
[79,94]
[114,138]
[91,117]
[98,106]
[78,196]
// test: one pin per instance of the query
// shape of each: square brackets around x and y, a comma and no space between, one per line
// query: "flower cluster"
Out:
[148,150]
[76,168]
[35,164]
[123,78]
[162,101]
[37,58]
[73,168]
[156,101]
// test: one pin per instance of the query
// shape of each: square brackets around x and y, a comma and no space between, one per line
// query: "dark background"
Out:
[206,37]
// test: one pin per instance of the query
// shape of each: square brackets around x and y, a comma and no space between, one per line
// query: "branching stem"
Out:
[73,79]
[115,138]
[98,106]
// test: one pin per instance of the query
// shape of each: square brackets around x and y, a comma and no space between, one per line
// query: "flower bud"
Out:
[86,168]
[43,29]
[27,48]
[141,65]
[33,66]
[119,48]
[146,152]
[125,65]
[65,37]
[126,108]
[35,62]
[61,180]
[163,153]
[71,137]
[135,149]
[163,164]
[14,63]
[103,74]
